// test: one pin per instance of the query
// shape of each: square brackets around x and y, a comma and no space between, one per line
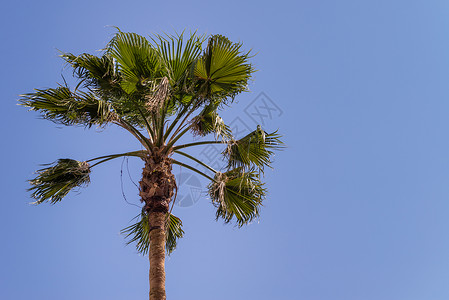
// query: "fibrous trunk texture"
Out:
[156,190]
[157,258]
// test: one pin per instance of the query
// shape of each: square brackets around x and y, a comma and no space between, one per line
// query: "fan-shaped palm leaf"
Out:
[174,232]
[137,60]
[237,194]
[223,70]
[54,182]
[63,106]
[99,73]
[139,233]
[255,149]
[178,54]
[208,121]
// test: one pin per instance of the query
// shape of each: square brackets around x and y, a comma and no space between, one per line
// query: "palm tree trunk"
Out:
[156,190]
[157,256]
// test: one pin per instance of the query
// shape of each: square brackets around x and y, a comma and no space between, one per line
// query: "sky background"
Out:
[358,204]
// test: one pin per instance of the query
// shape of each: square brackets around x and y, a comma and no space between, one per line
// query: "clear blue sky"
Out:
[358,205]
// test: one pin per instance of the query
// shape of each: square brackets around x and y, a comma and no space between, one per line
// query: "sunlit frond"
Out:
[253,150]
[223,71]
[139,233]
[55,181]
[178,54]
[63,106]
[137,60]
[237,194]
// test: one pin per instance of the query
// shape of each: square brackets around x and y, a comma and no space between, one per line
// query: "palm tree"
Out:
[158,90]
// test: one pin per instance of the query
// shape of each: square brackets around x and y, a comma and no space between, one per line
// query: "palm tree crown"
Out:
[158,90]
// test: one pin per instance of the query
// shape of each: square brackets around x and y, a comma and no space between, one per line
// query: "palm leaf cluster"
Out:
[139,233]
[238,194]
[222,72]
[96,73]
[159,89]
[209,122]
[55,181]
[66,107]
[253,150]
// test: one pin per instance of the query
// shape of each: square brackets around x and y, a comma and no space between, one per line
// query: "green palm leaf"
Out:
[178,55]
[253,150]
[174,232]
[63,106]
[99,73]
[223,71]
[139,233]
[54,182]
[137,60]
[237,194]
[208,121]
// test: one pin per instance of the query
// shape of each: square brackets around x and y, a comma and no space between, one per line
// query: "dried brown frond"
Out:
[157,99]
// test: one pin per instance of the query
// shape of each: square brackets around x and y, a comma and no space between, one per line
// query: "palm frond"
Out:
[208,121]
[237,194]
[104,158]
[55,181]
[63,106]
[137,60]
[139,233]
[101,75]
[223,71]
[174,232]
[97,73]
[253,150]
[178,55]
